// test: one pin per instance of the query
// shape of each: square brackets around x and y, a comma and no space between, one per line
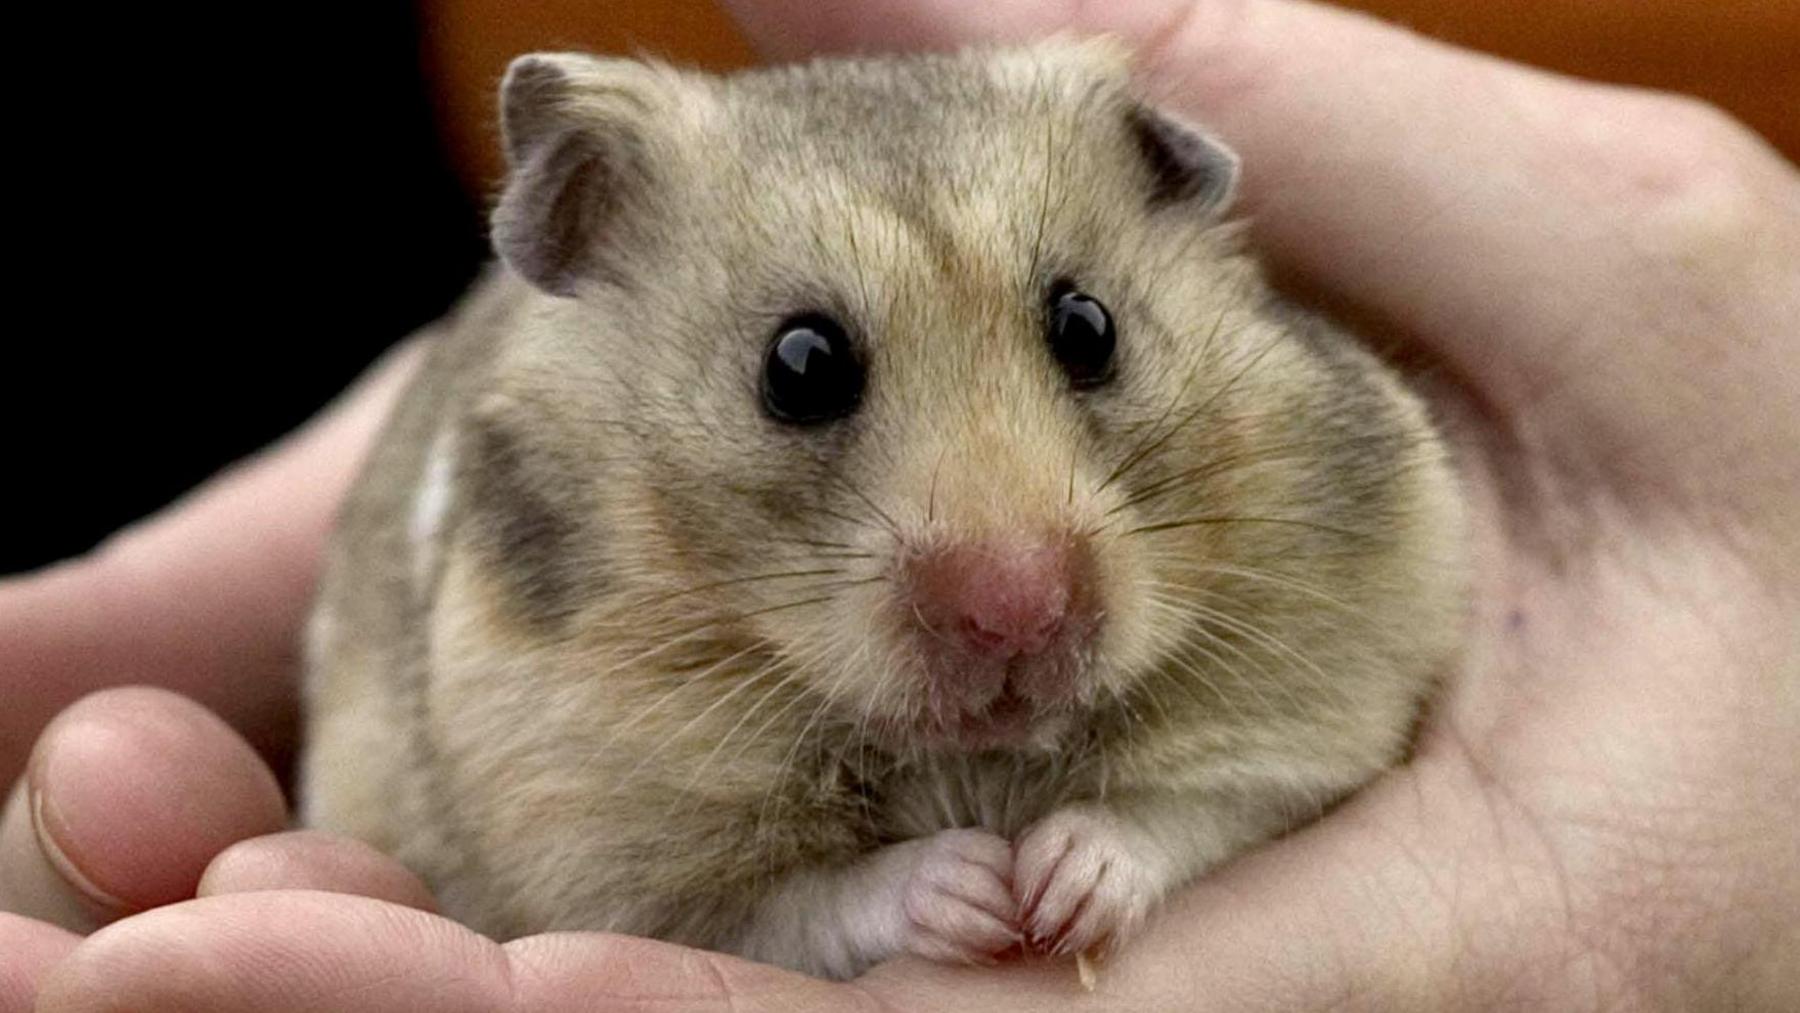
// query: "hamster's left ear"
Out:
[1186,165]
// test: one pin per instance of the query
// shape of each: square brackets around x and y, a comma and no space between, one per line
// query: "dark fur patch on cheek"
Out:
[515,521]
[801,491]
[729,522]
[787,506]
[1367,450]
[1360,475]
[1365,444]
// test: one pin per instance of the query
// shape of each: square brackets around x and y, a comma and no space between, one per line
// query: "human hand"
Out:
[1601,809]
[206,599]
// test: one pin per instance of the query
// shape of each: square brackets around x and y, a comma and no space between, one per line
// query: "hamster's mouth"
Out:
[1010,720]
[1005,721]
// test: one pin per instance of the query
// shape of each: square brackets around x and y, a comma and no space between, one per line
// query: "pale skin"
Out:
[1601,812]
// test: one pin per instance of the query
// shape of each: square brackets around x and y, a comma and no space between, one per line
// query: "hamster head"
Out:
[934,395]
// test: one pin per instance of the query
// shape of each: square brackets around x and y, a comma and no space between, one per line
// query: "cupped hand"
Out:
[1601,811]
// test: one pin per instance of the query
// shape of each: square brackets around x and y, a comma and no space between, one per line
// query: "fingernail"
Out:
[99,904]
[32,883]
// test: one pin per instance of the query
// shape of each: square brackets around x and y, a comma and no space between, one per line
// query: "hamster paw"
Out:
[958,898]
[1083,878]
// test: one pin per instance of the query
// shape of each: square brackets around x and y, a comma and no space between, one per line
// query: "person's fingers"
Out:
[1435,880]
[280,950]
[793,29]
[1613,261]
[1374,908]
[130,793]
[206,598]
[1374,911]
[313,860]
[28,950]
[270,951]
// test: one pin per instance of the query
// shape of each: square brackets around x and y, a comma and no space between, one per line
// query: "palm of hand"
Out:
[1578,802]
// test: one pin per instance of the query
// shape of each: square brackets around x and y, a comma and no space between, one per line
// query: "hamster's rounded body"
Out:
[1046,616]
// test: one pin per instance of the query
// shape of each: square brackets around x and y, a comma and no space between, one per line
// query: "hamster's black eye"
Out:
[812,374]
[1081,335]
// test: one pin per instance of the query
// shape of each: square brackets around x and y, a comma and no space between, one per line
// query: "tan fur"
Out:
[596,702]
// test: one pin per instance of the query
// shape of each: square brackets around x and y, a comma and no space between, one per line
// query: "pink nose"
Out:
[997,600]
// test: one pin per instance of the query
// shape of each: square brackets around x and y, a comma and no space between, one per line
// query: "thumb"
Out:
[131,792]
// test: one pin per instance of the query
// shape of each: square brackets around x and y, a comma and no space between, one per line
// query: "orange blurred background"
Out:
[1743,55]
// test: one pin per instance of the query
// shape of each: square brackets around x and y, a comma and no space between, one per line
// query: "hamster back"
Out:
[875,506]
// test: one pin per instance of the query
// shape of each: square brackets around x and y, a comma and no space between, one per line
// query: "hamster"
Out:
[874,506]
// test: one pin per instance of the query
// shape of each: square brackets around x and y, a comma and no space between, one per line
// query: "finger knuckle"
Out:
[995,853]
[1685,173]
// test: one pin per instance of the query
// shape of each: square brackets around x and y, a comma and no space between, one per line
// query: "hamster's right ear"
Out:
[578,131]
[1187,165]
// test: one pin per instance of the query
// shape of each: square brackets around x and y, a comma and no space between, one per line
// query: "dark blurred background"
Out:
[222,223]
[221,219]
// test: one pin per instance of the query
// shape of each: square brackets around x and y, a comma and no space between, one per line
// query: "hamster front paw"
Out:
[1084,878]
[958,898]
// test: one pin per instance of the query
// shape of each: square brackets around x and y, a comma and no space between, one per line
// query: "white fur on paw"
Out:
[1083,878]
[958,898]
